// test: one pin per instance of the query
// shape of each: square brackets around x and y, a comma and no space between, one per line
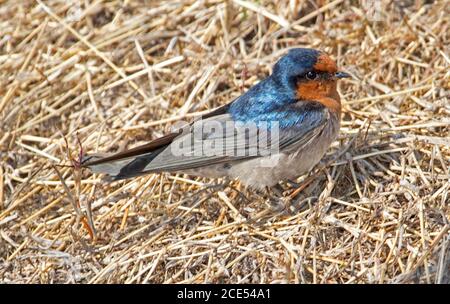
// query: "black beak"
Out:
[342,75]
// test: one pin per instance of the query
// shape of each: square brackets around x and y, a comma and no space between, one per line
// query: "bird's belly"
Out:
[288,166]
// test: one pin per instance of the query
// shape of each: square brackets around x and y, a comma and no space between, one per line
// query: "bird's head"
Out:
[310,74]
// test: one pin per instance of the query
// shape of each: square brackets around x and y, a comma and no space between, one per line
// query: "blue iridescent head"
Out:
[305,65]
[295,63]
[302,74]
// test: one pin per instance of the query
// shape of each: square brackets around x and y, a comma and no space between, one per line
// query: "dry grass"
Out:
[119,73]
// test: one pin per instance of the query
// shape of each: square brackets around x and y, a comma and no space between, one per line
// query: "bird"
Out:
[279,129]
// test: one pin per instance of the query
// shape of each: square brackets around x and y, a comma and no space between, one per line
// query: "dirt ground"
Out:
[108,75]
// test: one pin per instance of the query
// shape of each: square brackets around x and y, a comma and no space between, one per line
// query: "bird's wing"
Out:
[213,140]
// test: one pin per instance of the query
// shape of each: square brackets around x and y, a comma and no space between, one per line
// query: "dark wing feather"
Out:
[92,160]
[152,147]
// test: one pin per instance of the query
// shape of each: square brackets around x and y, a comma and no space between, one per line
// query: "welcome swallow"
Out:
[290,119]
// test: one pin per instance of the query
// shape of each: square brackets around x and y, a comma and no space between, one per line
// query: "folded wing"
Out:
[212,140]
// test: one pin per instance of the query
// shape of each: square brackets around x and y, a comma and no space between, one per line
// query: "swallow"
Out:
[278,130]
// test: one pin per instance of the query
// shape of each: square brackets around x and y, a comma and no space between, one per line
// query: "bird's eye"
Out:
[311,75]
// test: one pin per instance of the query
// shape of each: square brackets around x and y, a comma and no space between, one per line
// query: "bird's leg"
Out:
[293,184]
[277,189]
[302,205]
[206,188]
[222,184]
[217,184]
[280,203]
